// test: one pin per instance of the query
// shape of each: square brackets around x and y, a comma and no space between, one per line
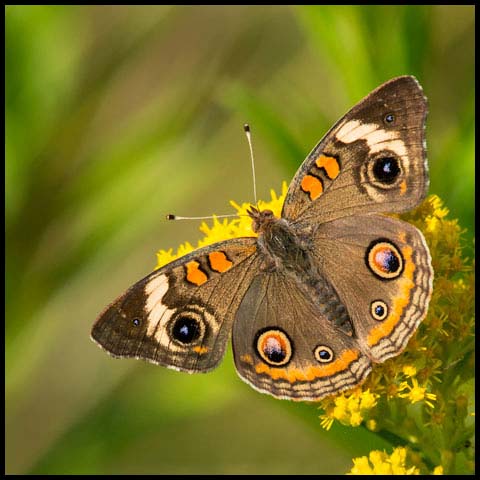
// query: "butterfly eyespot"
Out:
[186,329]
[136,322]
[386,169]
[323,354]
[389,118]
[273,346]
[383,258]
[379,310]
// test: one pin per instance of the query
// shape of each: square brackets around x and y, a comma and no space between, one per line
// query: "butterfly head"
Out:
[260,218]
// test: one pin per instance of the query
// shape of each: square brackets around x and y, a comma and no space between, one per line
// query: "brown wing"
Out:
[181,315]
[285,347]
[372,160]
[381,270]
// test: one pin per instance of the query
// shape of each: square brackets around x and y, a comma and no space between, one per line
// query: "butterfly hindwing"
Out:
[381,269]
[285,346]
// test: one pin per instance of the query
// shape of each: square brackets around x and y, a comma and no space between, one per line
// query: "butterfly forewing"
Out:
[372,160]
[181,315]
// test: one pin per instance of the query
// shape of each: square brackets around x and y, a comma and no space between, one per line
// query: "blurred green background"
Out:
[118,115]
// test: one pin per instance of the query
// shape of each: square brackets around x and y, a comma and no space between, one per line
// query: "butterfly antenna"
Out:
[171,216]
[246,127]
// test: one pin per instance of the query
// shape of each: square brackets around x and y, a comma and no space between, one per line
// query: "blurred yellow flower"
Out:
[380,463]
[409,370]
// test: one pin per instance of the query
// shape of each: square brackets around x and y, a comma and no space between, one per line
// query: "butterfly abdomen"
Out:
[286,252]
[332,307]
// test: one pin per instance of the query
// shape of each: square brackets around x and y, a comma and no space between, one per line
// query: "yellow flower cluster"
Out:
[350,409]
[380,463]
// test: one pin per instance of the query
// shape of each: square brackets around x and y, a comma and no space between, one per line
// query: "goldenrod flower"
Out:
[409,370]
[371,424]
[380,463]
[415,393]
[349,408]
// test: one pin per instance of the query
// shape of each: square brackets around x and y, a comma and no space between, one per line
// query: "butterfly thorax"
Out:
[279,243]
[284,250]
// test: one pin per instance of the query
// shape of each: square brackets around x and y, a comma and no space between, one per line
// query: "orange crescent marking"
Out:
[194,274]
[292,374]
[200,350]
[219,262]
[400,302]
[312,185]
[403,187]
[330,164]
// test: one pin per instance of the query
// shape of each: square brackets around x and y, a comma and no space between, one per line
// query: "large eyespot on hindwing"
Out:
[273,346]
[384,260]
